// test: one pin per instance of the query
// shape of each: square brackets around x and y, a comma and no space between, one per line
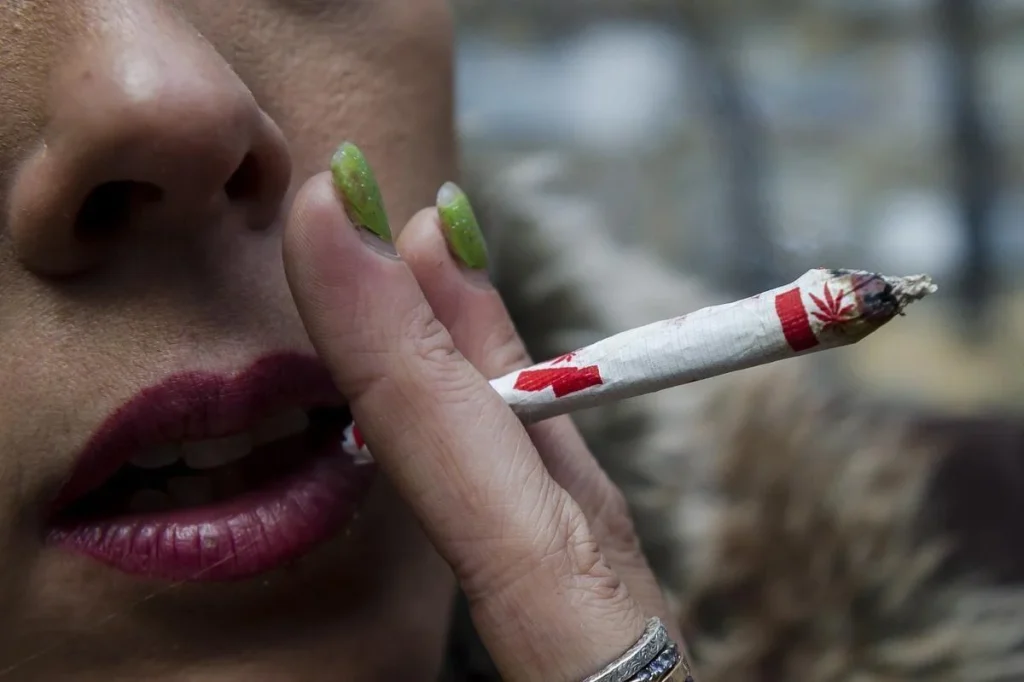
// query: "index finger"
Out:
[518,543]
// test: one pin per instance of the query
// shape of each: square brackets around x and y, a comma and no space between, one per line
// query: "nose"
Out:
[149,130]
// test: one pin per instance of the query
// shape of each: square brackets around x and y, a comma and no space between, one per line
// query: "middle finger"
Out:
[465,302]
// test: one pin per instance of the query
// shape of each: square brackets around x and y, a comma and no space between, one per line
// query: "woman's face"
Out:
[149,150]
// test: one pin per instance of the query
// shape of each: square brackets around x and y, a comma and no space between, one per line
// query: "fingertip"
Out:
[461,297]
[426,247]
[316,221]
[450,290]
[421,241]
[423,247]
[322,245]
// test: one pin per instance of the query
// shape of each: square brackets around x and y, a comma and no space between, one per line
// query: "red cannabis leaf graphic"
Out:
[832,311]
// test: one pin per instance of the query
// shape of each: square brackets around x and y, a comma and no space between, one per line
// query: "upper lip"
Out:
[198,405]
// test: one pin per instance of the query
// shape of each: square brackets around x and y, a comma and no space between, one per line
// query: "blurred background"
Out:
[750,141]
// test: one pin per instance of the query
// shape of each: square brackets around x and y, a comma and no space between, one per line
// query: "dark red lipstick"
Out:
[252,501]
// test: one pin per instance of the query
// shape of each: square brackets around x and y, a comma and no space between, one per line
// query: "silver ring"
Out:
[637,657]
[662,665]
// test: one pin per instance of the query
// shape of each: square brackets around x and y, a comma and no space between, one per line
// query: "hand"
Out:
[538,537]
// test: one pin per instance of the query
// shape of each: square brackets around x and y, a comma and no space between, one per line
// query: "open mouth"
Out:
[217,471]
[155,495]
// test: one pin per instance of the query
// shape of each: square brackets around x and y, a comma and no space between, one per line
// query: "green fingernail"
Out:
[360,193]
[461,228]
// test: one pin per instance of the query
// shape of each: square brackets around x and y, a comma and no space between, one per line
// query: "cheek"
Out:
[400,114]
[378,73]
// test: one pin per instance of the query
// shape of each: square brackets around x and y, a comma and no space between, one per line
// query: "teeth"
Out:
[190,491]
[157,458]
[209,454]
[149,501]
[280,426]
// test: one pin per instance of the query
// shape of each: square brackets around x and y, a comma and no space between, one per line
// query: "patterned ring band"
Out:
[662,668]
[651,643]
[681,673]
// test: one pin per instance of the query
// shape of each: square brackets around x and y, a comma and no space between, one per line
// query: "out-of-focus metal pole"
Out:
[975,173]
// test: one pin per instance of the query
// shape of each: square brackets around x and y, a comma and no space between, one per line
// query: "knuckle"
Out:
[504,349]
[429,350]
[561,557]
[616,519]
[588,575]
[425,337]
[422,352]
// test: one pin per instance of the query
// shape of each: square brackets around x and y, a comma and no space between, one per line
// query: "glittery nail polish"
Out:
[355,182]
[460,226]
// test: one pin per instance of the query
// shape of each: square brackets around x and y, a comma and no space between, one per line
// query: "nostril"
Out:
[245,182]
[108,209]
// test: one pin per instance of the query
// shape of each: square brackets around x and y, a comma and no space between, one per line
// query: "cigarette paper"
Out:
[822,309]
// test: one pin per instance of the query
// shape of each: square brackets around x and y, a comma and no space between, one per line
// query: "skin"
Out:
[182,269]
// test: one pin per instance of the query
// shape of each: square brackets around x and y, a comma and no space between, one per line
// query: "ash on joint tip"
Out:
[884,297]
[911,288]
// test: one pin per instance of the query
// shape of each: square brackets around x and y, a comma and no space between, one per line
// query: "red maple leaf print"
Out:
[563,358]
[831,311]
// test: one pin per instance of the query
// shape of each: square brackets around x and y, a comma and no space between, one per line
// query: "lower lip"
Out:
[255,533]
